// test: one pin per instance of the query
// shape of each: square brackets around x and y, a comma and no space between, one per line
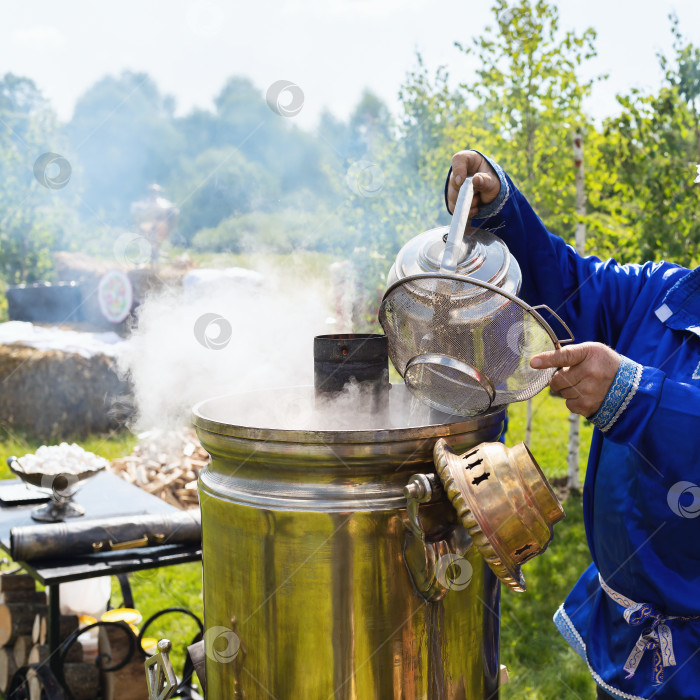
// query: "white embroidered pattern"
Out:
[610,689]
[628,398]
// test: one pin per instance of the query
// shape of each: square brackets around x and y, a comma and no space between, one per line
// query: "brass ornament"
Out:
[503,500]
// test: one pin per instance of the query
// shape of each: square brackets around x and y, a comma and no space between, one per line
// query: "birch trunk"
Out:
[572,480]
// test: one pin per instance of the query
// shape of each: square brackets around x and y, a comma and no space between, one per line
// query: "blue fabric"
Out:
[644,538]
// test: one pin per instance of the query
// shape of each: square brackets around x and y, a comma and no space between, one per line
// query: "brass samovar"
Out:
[335,563]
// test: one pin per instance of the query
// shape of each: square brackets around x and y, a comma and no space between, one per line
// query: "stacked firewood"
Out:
[166,464]
[129,681]
[23,613]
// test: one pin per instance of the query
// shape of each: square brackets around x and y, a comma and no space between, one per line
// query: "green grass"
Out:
[541,665]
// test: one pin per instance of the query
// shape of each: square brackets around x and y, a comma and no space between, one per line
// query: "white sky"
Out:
[331,48]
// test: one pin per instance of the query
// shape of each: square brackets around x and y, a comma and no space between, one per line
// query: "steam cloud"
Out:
[271,345]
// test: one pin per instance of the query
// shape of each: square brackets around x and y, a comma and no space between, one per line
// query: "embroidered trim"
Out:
[574,633]
[569,632]
[628,398]
[493,208]
[656,637]
[619,395]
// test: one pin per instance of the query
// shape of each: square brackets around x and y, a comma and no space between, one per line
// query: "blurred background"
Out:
[303,142]
[325,128]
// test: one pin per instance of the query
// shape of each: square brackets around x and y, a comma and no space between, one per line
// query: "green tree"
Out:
[32,216]
[653,146]
[122,138]
[218,184]
[244,120]
[527,102]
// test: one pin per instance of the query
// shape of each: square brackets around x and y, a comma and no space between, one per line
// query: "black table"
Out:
[102,496]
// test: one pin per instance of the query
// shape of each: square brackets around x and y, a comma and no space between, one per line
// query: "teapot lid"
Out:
[484,256]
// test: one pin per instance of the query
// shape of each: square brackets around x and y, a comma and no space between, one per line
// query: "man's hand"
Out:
[486,183]
[587,375]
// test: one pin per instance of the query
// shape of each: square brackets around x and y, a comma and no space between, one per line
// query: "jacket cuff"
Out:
[492,208]
[619,396]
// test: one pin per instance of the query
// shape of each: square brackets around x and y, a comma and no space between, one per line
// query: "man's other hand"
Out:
[587,373]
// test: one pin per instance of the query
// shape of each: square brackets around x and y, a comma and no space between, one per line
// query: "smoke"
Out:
[210,341]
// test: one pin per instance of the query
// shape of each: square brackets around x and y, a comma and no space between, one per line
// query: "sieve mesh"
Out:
[448,385]
[473,323]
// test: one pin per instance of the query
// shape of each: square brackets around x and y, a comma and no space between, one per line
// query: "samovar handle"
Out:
[431,564]
[419,489]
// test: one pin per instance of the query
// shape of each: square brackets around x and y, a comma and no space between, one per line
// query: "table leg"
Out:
[54,627]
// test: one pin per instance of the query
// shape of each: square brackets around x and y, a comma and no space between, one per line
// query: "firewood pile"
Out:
[23,612]
[166,464]
[23,640]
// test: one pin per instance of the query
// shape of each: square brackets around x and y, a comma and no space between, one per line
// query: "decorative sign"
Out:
[115,296]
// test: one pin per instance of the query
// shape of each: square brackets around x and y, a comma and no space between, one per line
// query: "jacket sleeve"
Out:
[655,415]
[592,296]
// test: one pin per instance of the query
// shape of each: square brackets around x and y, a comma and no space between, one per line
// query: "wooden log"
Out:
[83,681]
[7,668]
[20,650]
[67,624]
[129,682]
[34,597]
[17,619]
[33,685]
[39,629]
[40,653]
[16,582]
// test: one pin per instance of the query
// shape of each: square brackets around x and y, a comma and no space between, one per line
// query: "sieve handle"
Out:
[460,219]
[546,308]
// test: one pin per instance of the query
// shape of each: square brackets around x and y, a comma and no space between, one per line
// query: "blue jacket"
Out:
[641,495]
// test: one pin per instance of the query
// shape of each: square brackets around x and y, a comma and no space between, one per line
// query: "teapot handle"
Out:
[460,219]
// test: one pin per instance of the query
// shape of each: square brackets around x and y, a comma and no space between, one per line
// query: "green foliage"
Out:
[122,138]
[283,231]
[541,664]
[655,144]
[31,216]
[217,184]
[527,103]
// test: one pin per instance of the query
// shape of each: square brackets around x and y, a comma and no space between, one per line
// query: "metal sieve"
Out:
[463,345]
